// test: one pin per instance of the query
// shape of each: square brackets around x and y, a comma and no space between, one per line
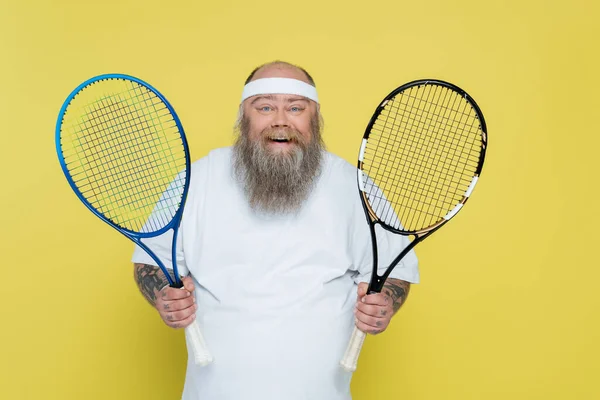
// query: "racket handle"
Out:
[202,356]
[353,350]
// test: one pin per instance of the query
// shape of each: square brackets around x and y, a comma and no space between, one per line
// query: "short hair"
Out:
[310,79]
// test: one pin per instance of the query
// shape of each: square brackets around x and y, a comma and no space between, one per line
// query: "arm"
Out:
[176,307]
[397,290]
[374,311]
[150,280]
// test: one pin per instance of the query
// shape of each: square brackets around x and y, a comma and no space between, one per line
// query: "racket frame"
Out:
[132,235]
[350,358]
[201,354]
[377,281]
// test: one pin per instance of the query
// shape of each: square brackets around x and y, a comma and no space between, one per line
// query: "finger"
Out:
[188,283]
[362,289]
[369,320]
[176,316]
[367,329]
[170,293]
[175,305]
[378,299]
[183,323]
[374,311]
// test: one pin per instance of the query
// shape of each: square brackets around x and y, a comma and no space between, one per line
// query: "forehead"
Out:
[280,71]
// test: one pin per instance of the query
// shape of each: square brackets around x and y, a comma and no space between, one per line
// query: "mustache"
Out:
[288,134]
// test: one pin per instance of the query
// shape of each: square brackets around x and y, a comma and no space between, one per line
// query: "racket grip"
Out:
[353,350]
[201,354]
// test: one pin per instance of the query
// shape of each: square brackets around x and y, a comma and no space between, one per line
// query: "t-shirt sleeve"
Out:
[389,246]
[162,245]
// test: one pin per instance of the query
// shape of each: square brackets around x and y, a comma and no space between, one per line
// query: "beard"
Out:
[277,182]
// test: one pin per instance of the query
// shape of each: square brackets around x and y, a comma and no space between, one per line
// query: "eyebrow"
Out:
[271,97]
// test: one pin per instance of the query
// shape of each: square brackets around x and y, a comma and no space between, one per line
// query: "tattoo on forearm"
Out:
[398,290]
[150,280]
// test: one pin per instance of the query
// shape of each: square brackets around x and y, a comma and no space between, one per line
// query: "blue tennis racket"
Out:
[124,153]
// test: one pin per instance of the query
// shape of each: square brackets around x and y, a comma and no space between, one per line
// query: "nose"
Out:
[280,119]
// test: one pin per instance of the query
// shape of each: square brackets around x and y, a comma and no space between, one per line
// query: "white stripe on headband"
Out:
[280,86]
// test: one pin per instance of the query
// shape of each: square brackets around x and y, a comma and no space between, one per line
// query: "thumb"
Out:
[362,289]
[188,283]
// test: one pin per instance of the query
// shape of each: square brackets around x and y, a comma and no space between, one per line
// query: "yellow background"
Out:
[508,304]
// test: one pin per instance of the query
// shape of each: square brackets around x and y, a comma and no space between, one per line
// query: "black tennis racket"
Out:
[420,158]
[124,153]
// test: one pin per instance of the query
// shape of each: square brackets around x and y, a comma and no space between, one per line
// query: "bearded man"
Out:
[278,252]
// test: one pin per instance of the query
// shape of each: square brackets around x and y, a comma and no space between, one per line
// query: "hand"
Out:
[373,312]
[177,307]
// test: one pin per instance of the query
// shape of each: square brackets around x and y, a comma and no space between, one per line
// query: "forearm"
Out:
[398,290]
[150,280]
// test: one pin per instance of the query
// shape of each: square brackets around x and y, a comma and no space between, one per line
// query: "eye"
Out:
[296,109]
[265,108]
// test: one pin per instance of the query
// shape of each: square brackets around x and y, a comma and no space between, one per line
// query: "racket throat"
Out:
[376,284]
[377,281]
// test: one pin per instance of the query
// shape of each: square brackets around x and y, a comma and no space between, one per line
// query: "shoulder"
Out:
[213,167]
[209,174]
[214,157]
[215,162]
[338,178]
[339,169]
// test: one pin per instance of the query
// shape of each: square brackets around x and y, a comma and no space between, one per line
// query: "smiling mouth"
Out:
[281,139]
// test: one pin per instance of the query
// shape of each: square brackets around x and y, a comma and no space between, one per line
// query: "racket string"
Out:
[127,157]
[422,189]
[447,174]
[436,199]
[113,162]
[160,121]
[86,129]
[411,150]
[394,223]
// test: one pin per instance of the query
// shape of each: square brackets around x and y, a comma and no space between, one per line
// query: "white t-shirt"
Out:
[275,294]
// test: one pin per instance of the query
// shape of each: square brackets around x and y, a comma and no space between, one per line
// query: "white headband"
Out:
[280,86]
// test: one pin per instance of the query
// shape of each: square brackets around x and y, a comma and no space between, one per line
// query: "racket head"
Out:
[124,153]
[421,156]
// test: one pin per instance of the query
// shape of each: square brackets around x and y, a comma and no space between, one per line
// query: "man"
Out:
[278,252]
